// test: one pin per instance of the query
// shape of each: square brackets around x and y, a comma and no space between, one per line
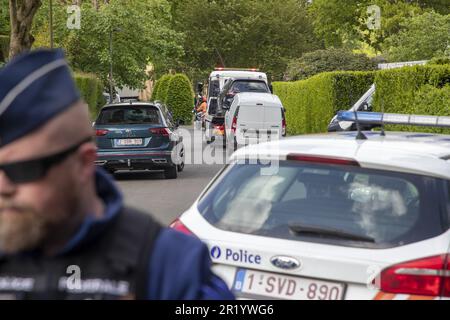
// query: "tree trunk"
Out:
[21,14]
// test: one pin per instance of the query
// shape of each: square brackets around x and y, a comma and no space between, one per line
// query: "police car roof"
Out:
[252,98]
[418,153]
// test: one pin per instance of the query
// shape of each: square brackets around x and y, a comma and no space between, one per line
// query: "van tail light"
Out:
[101,132]
[165,132]
[322,160]
[179,226]
[283,127]
[424,277]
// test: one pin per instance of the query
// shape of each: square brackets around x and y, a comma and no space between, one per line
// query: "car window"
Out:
[214,88]
[129,115]
[250,86]
[391,208]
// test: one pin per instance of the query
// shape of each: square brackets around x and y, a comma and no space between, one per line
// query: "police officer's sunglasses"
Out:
[36,169]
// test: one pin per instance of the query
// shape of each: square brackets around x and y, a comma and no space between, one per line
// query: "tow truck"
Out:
[215,116]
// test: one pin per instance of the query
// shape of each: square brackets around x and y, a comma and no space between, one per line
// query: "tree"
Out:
[347,25]
[141,35]
[22,13]
[422,38]
[180,97]
[242,33]
[319,61]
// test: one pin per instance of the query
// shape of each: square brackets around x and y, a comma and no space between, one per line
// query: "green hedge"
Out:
[163,87]
[91,90]
[414,90]
[155,91]
[180,98]
[311,103]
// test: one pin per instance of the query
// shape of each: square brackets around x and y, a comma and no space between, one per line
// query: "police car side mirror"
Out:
[366,108]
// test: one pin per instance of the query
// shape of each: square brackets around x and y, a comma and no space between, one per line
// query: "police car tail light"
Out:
[234,125]
[322,160]
[425,277]
[101,132]
[179,226]
[160,132]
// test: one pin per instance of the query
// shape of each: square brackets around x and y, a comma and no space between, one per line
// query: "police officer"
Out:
[64,230]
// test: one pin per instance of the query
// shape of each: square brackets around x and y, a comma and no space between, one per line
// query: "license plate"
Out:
[129,142]
[260,285]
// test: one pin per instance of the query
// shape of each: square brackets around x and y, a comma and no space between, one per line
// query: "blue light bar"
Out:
[394,118]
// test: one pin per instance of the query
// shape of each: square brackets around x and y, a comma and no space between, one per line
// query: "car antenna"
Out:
[360,135]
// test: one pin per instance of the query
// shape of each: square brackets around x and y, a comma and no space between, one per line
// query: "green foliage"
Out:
[180,98]
[414,90]
[242,33]
[440,60]
[320,61]
[141,34]
[163,89]
[4,17]
[422,38]
[311,103]
[91,90]
[4,48]
[346,25]
[155,91]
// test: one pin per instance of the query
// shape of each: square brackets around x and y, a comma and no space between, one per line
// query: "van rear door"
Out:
[273,120]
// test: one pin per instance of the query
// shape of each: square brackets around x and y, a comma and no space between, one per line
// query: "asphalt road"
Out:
[167,199]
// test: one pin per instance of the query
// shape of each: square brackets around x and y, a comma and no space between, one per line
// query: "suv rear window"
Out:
[378,209]
[249,86]
[129,115]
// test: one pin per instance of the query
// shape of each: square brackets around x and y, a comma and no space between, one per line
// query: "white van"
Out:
[254,118]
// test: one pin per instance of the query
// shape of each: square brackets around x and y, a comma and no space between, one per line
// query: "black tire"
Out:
[180,167]
[235,144]
[171,173]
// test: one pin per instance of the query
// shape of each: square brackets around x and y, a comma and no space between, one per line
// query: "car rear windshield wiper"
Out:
[300,229]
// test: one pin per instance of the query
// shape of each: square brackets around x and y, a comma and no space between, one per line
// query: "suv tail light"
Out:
[101,132]
[179,226]
[425,277]
[160,131]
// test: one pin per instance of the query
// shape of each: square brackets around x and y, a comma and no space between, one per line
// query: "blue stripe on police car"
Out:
[240,255]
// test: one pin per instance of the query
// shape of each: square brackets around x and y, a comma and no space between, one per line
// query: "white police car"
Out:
[332,217]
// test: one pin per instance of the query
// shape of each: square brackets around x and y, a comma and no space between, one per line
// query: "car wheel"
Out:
[180,167]
[171,172]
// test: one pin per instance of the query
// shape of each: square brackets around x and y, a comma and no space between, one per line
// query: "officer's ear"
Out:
[87,156]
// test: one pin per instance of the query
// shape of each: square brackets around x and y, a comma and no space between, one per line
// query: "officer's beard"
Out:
[21,228]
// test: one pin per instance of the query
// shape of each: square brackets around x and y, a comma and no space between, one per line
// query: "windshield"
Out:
[382,209]
[250,86]
[129,115]
[214,88]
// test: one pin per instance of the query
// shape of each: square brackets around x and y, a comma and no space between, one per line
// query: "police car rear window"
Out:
[341,205]
[129,115]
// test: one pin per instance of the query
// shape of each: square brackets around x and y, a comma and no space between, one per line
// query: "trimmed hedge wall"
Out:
[163,87]
[91,90]
[180,97]
[414,90]
[310,104]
